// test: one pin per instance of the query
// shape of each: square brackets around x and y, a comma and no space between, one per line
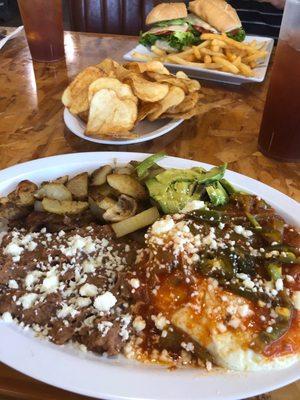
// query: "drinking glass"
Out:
[279,136]
[43,24]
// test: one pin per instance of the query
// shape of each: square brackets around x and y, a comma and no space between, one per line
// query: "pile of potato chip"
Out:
[111,98]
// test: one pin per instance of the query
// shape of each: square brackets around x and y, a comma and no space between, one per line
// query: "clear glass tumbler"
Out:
[279,136]
[43,25]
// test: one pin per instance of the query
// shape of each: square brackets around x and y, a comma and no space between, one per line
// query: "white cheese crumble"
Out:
[279,284]
[138,324]
[78,243]
[13,249]
[193,205]
[28,300]
[135,283]
[83,302]
[234,322]
[244,311]
[13,284]
[160,321]
[162,226]
[88,266]
[104,327]
[125,321]
[88,290]
[188,346]
[67,310]
[105,301]
[50,283]
[240,230]
[32,278]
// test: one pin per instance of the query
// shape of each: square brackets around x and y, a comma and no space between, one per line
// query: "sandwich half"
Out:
[174,29]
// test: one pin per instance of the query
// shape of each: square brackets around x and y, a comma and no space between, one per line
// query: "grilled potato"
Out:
[78,186]
[98,177]
[62,179]
[126,184]
[10,210]
[23,195]
[55,191]
[64,206]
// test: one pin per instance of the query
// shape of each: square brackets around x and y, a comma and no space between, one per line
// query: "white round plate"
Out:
[145,130]
[118,378]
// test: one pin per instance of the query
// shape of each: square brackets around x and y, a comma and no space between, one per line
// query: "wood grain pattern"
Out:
[32,127]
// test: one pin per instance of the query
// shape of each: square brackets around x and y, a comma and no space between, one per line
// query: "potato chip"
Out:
[172,80]
[152,66]
[123,91]
[187,104]
[110,98]
[145,109]
[84,116]
[173,98]
[185,115]
[111,116]
[181,74]
[146,90]
[113,69]
[75,97]
[188,85]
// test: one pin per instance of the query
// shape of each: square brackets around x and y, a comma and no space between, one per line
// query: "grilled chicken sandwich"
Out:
[216,16]
[173,28]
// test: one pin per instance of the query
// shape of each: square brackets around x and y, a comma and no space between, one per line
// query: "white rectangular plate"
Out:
[214,75]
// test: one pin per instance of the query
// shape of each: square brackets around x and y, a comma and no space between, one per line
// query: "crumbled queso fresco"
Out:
[65,286]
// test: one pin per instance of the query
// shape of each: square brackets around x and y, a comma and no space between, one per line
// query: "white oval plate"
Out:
[146,130]
[118,378]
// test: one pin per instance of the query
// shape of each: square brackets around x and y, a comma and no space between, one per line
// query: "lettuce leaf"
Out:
[178,40]
[239,36]
[149,39]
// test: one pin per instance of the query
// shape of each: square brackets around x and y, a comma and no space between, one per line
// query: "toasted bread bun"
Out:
[217,13]
[166,12]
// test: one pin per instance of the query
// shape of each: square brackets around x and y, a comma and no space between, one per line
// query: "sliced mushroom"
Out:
[126,207]
[106,203]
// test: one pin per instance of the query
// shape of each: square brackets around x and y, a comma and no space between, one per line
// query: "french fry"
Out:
[143,57]
[197,53]
[229,41]
[217,42]
[226,64]
[217,51]
[245,69]
[211,52]
[255,56]
[207,59]
[237,61]
[157,51]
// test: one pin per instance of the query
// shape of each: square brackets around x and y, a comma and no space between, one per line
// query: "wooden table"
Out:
[32,127]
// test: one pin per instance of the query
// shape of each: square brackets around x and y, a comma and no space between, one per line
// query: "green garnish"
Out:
[144,166]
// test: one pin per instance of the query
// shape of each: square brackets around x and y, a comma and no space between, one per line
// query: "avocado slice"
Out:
[217,194]
[175,175]
[174,188]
